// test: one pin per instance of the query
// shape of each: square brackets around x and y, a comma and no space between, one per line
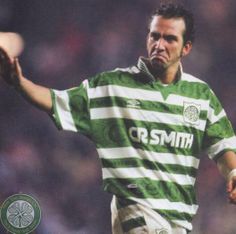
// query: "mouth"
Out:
[158,57]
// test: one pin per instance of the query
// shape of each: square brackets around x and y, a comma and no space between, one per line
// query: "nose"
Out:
[159,45]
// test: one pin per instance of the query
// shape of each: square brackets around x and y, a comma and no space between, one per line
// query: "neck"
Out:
[167,76]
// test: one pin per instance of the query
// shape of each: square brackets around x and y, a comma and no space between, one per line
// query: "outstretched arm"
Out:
[11,73]
[227,166]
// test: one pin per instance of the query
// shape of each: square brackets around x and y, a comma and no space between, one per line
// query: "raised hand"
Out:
[10,70]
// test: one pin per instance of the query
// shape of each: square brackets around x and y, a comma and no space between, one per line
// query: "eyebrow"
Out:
[165,36]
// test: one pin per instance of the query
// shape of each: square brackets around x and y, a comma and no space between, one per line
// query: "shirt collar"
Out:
[142,66]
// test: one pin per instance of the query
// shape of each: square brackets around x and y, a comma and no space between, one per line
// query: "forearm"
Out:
[226,163]
[11,73]
[38,95]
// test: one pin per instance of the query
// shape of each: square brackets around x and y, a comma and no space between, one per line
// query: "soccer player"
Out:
[150,123]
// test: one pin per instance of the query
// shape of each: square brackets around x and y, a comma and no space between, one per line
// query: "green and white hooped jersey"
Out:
[149,137]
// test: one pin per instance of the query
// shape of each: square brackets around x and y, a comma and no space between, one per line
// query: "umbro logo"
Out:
[133,103]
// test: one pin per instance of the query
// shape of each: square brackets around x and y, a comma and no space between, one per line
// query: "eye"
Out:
[155,36]
[170,38]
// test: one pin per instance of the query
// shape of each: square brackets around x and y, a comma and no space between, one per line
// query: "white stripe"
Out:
[132,70]
[165,158]
[137,230]
[142,115]
[180,100]
[125,92]
[135,211]
[164,204]
[63,110]
[227,143]
[190,78]
[181,223]
[140,172]
[141,94]
[214,118]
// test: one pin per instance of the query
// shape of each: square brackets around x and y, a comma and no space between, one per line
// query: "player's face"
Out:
[165,43]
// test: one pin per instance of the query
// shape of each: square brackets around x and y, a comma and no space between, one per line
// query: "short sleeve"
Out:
[71,109]
[219,134]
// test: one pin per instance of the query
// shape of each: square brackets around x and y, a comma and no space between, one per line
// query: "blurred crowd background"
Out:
[67,41]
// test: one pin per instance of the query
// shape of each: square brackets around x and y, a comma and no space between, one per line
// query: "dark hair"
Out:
[178,11]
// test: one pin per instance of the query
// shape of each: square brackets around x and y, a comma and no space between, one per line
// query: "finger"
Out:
[229,186]
[17,66]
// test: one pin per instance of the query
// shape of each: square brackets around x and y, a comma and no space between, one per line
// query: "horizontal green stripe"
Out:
[116,78]
[218,131]
[168,214]
[195,90]
[78,102]
[174,215]
[215,104]
[147,188]
[136,162]
[123,202]
[111,133]
[133,223]
[144,105]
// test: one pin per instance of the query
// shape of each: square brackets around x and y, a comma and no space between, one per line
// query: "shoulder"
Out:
[190,78]
[194,82]
[116,76]
[128,71]
[195,87]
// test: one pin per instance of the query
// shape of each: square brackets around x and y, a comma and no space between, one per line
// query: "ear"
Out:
[187,48]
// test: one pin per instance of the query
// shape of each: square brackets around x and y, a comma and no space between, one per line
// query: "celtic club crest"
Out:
[20,214]
[191,113]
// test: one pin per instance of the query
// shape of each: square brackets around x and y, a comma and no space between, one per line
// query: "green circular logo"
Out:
[20,214]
